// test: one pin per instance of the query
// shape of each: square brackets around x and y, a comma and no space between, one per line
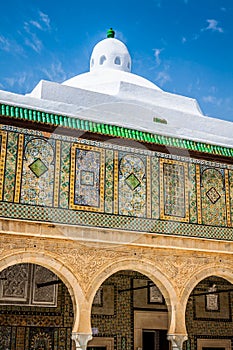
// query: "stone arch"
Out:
[148,269]
[212,270]
[56,267]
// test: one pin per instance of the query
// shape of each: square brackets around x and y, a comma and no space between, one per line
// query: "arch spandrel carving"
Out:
[86,261]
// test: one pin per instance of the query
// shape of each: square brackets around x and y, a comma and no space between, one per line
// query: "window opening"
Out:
[102,60]
[117,61]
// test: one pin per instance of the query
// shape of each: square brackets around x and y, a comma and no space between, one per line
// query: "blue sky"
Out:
[183,46]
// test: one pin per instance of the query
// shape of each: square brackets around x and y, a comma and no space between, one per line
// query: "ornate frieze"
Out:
[61,179]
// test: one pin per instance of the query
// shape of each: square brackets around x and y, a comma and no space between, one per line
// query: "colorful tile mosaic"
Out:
[132,185]
[64,175]
[174,190]
[62,179]
[87,178]
[213,197]
[207,324]
[37,186]
[109,181]
[41,323]
[155,187]
[3,140]
[192,194]
[10,167]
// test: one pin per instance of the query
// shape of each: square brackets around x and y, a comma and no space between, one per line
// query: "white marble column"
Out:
[81,340]
[177,340]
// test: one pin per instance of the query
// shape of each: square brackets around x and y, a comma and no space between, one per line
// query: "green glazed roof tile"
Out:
[112,130]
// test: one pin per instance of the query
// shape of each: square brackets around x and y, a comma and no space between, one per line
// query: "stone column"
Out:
[81,340]
[177,340]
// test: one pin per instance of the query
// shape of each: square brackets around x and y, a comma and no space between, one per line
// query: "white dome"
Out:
[110,65]
[110,53]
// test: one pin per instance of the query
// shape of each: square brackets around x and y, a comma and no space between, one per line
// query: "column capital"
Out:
[81,340]
[177,340]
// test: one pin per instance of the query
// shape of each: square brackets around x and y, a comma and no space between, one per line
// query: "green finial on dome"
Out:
[110,33]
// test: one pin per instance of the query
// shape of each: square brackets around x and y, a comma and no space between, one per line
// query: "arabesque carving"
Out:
[88,260]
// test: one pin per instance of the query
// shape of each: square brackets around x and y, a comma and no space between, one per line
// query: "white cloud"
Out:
[10,46]
[212,99]
[34,42]
[42,23]
[4,44]
[163,76]
[213,26]
[36,24]
[29,36]
[45,19]
[55,72]
[157,53]
[20,81]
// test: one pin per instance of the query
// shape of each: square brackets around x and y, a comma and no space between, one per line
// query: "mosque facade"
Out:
[116,211]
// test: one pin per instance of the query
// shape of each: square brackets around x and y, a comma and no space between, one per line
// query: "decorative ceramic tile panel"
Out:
[155,187]
[213,197]
[231,193]
[19,164]
[63,179]
[3,140]
[15,289]
[19,286]
[41,339]
[10,166]
[46,295]
[192,194]
[38,172]
[5,337]
[174,190]
[132,185]
[228,201]
[87,178]
[36,325]
[109,181]
[64,175]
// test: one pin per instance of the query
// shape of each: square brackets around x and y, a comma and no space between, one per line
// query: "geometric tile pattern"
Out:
[174,190]
[192,194]
[174,196]
[213,195]
[63,179]
[42,324]
[132,185]
[87,178]
[109,182]
[38,167]
[155,187]
[132,181]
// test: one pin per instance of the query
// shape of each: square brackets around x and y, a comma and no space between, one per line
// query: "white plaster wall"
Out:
[133,107]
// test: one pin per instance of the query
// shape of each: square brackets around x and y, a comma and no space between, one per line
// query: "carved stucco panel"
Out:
[86,262]
[180,268]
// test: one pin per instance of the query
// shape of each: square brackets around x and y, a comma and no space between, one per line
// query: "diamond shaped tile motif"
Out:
[38,167]
[213,195]
[132,181]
